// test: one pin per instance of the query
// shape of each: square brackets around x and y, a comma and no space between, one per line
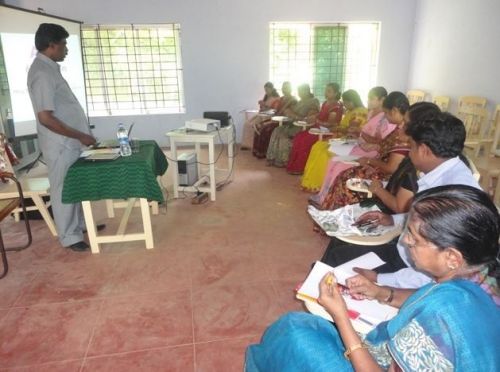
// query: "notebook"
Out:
[365,314]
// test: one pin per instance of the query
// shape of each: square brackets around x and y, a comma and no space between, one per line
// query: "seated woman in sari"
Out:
[317,162]
[392,150]
[269,102]
[282,137]
[450,324]
[329,117]
[264,129]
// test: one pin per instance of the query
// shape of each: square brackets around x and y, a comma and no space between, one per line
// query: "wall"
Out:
[456,49]
[225,45]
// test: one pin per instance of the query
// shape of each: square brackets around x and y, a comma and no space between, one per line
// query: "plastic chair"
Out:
[6,208]
[415,96]
[443,102]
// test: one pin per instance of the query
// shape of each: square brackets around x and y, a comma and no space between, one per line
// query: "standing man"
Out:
[61,125]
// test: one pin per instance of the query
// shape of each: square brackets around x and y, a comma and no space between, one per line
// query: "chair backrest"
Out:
[415,96]
[475,120]
[443,102]
[495,129]
[471,101]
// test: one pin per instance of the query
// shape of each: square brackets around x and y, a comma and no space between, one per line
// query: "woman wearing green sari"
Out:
[452,324]
[281,141]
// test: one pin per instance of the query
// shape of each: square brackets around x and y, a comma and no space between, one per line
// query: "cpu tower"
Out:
[187,164]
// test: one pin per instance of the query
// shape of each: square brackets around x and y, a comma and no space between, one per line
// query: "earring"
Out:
[451,267]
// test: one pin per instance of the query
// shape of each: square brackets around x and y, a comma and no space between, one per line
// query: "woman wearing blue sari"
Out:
[452,324]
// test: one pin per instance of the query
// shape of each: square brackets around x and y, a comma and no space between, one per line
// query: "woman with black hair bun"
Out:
[393,150]
[281,140]
[270,101]
[450,324]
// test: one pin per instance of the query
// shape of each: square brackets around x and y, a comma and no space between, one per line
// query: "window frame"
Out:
[133,69]
[348,80]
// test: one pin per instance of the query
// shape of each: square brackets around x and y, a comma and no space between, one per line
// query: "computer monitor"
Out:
[222,116]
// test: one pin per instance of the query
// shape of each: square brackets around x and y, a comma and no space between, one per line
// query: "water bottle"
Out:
[123,139]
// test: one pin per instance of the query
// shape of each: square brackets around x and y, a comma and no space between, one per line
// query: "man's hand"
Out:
[87,139]
[368,274]
[375,218]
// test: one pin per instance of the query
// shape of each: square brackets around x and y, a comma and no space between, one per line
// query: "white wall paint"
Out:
[456,51]
[225,45]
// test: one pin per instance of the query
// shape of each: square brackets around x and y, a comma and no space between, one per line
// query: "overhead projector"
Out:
[203,125]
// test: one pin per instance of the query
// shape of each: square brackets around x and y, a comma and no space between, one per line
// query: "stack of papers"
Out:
[365,314]
[100,154]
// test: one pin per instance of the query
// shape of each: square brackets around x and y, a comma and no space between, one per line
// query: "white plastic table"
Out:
[184,136]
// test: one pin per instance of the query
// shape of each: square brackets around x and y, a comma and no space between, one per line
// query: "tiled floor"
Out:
[218,275]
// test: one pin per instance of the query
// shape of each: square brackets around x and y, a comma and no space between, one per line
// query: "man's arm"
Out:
[404,278]
[47,119]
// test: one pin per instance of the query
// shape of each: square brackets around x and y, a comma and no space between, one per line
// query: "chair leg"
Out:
[28,228]
[4,258]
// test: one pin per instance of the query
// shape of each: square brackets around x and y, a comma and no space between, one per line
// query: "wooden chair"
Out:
[34,188]
[472,101]
[476,123]
[475,172]
[443,102]
[6,208]
[494,150]
[415,96]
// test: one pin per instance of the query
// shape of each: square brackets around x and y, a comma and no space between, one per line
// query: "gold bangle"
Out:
[352,349]
[389,298]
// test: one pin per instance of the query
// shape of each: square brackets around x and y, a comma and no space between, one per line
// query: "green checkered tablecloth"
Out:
[122,178]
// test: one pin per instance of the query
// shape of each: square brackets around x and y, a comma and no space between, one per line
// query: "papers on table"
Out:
[100,154]
[365,314]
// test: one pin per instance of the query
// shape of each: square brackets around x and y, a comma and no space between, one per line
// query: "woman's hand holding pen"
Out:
[330,297]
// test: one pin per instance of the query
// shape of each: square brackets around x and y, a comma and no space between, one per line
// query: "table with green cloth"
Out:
[129,178]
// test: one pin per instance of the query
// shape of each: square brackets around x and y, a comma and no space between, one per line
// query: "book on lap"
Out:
[365,314]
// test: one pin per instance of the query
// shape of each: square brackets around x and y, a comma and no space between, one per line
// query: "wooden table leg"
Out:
[40,204]
[197,149]
[146,221]
[110,208]
[175,168]
[91,229]
[126,216]
[211,161]
[230,151]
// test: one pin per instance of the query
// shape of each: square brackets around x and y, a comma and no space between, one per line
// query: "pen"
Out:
[365,321]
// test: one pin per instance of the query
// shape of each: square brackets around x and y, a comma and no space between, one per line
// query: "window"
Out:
[318,54]
[133,69]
